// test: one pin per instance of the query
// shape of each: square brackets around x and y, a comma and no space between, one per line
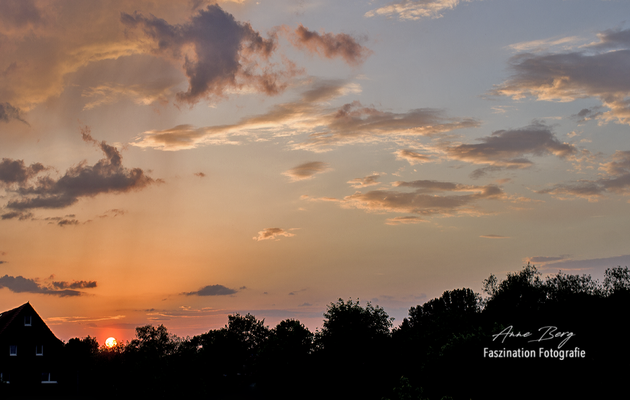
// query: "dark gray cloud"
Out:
[615,179]
[74,284]
[329,45]
[212,290]
[108,175]
[20,13]
[594,71]
[21,215]
[612,39]
[19,284]
[8,113]
[15,171]
[306,171]
[587,114]
[226,52]
[508,148]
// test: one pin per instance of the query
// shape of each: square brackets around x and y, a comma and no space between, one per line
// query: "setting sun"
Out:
[111,342]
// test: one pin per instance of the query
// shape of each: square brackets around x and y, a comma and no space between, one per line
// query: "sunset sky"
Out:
[175,162]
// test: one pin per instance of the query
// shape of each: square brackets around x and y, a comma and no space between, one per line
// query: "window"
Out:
[4,377]
[47,377]
[39,350]
[13,350]
[28,320]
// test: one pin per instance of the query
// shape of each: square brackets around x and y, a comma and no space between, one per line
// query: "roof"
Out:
[7,317]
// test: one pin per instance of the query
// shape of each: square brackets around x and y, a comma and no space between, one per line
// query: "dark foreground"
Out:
[559,337]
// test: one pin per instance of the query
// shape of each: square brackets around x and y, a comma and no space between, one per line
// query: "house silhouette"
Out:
[30,353]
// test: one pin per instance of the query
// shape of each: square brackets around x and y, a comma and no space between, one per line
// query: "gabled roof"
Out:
[7,317]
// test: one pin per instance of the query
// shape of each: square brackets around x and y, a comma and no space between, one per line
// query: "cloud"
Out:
[218,53]
[15,171]
[64,221]
[81,320]
[329,45]
[545,260]
[587,114]
[615,179]
[63,36]
[20,14]
[598,265]
[209,48]
[200,174]
[8,113]
[594,71]
[412,157]
[409,219]
[74,284]
[312,115]
[494,237]
[508,148]
[426,199]
[141,94]
[365,181]
[272,234]
[19,284]
[416,9]
[353,122]
[108,175]
[544,45]
[306,171]
[114,212]
[22,216]
[212,290]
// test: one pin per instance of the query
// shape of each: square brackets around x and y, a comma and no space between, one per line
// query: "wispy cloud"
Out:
[427,198]
[412,157]
[615,179]
[416,9]
[506,149]
[409,219]
[306,171]
[366,181]
[593,71]
[311,115]
[566,43]
[543,260]
[272,234]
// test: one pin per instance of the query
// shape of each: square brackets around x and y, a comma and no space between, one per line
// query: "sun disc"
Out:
[111,342]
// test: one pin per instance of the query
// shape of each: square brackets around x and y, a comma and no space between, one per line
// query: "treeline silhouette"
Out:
[437,352]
